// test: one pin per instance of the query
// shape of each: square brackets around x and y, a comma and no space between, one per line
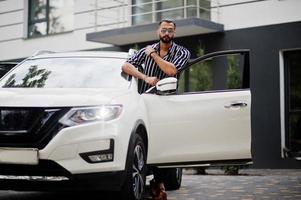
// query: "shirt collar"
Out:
[171,48]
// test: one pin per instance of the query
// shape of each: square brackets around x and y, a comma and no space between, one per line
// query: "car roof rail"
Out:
[41,52]
[132,52]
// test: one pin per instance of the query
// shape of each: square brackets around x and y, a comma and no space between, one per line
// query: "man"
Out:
[160,60]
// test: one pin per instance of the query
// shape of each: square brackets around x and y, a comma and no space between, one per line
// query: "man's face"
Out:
[166,32]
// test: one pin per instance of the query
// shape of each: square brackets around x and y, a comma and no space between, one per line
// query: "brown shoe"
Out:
[162,196]
[157,191]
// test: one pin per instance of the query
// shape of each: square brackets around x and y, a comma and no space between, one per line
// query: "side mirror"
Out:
[131,52]
[167,86]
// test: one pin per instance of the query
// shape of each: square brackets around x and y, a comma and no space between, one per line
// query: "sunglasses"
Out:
[167,30]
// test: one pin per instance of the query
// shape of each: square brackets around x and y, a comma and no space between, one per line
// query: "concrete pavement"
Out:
[251,184]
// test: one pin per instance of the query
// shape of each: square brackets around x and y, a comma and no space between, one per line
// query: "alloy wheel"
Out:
[138,175]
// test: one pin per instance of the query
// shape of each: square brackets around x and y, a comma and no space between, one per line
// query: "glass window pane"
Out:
[37,29]
[174,14]
[5,67]
[142,6]
[170,9]
[171,4]
[181,82]
[218,73]
[200,78]
[60,73]
[234,72]
[293,105]
[60,16]
[192,12]
[191,2]
[295,80]
[294,132]
[204,9]
[142,12]
[142,19]
[37,9]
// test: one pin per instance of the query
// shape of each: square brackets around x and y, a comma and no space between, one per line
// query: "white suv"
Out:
[75,120]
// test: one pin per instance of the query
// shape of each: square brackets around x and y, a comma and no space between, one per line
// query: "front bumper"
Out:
[67,150]
[37,177]
[64,163]
[71,147]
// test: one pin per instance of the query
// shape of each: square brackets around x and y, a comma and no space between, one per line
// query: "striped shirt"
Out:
[177,55]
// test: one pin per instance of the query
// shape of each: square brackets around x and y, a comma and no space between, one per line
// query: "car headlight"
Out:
[81,115]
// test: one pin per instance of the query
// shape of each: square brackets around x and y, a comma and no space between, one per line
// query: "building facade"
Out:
[271,29]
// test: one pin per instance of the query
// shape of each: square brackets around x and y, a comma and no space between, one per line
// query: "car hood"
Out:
[44,97]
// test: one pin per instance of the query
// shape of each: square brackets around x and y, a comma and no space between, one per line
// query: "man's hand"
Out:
[151,80]
[167,67]
[131,70]
[149,50]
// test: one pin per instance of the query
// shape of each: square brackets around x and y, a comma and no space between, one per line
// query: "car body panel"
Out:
[57,97]
[176,128]
[199,128]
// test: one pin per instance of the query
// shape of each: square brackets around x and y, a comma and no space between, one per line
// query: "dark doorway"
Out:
[292,62]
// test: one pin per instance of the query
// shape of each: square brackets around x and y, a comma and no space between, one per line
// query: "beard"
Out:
[166,39]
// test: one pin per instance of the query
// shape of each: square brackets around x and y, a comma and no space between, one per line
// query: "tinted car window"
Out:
[5,67]
[67,73]
[218,73]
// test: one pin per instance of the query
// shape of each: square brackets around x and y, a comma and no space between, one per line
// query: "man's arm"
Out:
[167,67]
[130,69]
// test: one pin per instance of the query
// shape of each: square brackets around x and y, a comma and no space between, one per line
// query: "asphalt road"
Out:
[251,184]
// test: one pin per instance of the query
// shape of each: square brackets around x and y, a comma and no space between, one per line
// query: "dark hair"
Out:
[168,21]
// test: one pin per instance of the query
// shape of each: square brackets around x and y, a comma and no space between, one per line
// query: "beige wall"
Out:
[109,14]
[255,14]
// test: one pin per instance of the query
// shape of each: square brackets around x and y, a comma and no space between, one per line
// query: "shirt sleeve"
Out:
[138,58]
[181,58]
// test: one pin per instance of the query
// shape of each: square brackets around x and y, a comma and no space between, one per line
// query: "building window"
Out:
[142,11]
[170,9]
[148,11]
[49,17]
[292,64]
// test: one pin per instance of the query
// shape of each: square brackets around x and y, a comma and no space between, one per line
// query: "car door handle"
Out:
[236,105]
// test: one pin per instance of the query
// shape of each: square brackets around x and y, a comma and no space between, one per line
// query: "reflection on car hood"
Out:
[60,97]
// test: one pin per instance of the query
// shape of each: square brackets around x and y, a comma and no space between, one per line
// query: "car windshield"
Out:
[67,73]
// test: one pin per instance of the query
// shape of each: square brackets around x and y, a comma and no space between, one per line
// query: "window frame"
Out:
[157,11]
[245,73]
[287,148]
[35,21]
[46,19]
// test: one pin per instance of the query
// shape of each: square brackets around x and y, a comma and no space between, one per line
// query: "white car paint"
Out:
[198,127]
[57,97]
[184,128]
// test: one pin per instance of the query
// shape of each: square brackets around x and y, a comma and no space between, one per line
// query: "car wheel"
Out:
[173,179]
[134,185]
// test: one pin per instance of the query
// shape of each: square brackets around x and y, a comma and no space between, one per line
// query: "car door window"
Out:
[219,73]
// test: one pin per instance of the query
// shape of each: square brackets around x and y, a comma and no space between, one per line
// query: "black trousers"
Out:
[159,174]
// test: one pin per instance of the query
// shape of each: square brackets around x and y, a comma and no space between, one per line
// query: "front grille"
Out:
[44,168]
[29,127]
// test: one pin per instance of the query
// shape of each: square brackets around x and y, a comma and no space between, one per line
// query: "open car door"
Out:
[207,118]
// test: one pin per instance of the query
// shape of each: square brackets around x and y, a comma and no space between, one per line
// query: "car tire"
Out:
[134,186]
[173,179]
